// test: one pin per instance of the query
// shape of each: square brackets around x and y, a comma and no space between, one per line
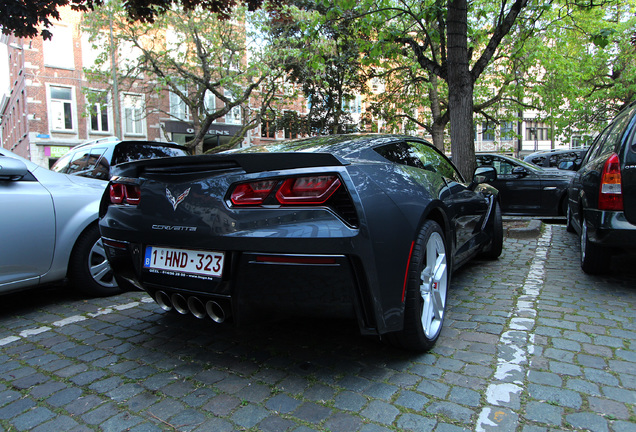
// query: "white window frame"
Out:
[234,115]
[354,105]
[100,107]
[209,101]
[133,115]
[377,85]
[57,110]
[178,108]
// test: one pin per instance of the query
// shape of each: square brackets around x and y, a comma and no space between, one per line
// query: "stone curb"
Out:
[532,229]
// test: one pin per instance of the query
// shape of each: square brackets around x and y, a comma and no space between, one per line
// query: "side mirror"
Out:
[567,165]
[12,169]
[483,174]
[520,171]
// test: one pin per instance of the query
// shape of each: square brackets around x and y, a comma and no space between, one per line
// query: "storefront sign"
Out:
[55,151]
[214,129]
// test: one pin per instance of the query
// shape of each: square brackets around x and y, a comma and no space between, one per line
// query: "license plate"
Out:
[206,263]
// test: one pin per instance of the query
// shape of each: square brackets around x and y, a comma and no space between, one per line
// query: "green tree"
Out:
[452,53]
[32,18]
[323,60]
[588,66]
[198,58]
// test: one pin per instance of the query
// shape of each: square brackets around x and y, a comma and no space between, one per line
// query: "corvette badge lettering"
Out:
[180,198]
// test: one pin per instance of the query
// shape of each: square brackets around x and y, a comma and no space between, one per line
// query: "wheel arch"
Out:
[73,250]
[438,215]
[67,236]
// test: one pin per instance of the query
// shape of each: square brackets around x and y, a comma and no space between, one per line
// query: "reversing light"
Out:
[610,195]
[307,190]
[124,193]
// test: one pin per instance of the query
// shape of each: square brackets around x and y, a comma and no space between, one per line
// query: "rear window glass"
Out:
[128,152]
[615,135]
[419,155]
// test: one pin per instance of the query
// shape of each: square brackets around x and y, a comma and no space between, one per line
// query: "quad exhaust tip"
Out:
[215,311]
[192,305]
[180,304]
[163,300]
[196,306]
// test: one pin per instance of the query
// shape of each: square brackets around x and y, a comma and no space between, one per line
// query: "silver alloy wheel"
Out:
[434,284]
[99,267]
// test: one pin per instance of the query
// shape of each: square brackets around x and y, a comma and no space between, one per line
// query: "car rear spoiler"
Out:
[249,162]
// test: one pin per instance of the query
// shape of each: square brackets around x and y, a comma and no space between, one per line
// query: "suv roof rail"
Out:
[98,141]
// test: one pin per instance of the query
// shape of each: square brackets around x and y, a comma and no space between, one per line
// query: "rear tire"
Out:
[426,290]
[595,259]
[89,271]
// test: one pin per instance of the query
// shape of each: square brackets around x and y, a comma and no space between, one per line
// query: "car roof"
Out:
[556,151]
[513,159]
[112,141]
[339,145]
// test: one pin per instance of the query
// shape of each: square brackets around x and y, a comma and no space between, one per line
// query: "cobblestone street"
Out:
[530,344]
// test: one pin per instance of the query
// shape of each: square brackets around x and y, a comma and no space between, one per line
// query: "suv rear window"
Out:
[133,151]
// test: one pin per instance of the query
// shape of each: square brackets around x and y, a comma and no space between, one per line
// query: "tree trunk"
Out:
[460,89]
[437,130]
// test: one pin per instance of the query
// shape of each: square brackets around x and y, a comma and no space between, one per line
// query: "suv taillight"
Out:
[307,190]
[121,193]
[610,195]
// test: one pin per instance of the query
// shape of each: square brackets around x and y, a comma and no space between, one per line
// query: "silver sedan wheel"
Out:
[99,267]
[434,284]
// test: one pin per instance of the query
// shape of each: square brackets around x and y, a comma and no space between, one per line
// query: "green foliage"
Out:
[588,66]
[323,59]
[202,60]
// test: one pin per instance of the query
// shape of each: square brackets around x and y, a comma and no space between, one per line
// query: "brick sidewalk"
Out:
[530,344]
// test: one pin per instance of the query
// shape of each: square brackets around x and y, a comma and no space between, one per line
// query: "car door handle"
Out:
[549,188]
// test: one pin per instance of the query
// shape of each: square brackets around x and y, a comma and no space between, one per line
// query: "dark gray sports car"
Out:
[362,226]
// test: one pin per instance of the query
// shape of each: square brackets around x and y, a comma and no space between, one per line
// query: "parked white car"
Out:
[48,229]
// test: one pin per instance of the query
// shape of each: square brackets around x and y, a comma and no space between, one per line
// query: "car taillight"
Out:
[124,194]
[253,193]
[610,195]
[294,190]
[307,190]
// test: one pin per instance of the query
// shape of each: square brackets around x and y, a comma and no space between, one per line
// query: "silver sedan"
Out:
[48,229]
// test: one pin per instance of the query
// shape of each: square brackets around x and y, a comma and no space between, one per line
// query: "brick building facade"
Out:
[46,110]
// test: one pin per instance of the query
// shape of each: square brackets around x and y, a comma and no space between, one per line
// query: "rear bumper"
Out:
[610,229]
[256,286]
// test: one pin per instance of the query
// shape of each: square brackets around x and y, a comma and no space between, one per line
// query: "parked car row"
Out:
[368,227]
[595,189]
[526,189]
[569,159]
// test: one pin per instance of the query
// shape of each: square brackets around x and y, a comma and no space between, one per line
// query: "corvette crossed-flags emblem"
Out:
[175,202]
